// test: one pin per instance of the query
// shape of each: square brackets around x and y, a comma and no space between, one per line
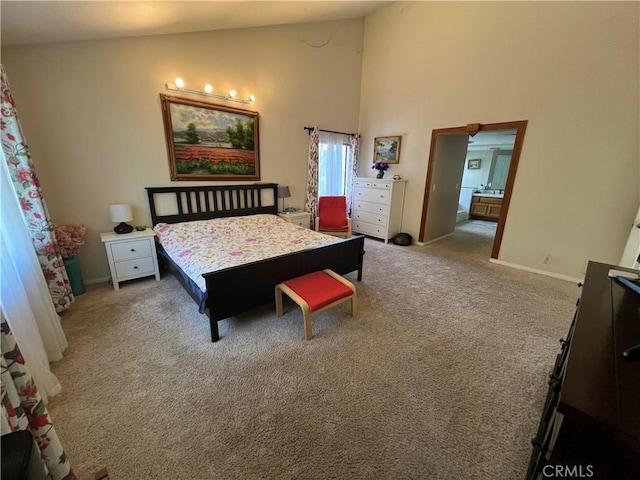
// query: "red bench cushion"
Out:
[318,289]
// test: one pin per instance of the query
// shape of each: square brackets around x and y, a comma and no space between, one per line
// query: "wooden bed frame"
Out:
[237,289]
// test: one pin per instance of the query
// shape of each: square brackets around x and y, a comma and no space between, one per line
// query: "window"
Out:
[333,151]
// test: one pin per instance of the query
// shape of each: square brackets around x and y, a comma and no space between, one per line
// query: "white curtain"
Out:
[24,294]
[332,167]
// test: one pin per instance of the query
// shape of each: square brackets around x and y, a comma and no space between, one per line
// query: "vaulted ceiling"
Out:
[32,22]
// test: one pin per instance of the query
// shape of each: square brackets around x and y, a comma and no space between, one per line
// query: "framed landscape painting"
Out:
[473,164]
[386,149]
[210,142]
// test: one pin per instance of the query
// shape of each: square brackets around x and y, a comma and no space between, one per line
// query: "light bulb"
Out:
[233,93]
[252,98]
[179,82]
[208,88]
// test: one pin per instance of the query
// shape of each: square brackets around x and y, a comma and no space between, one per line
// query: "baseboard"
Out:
[435,239]
[535,270]
[93,281]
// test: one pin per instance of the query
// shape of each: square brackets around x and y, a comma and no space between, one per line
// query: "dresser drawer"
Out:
[132,249]
[369,217]
[378,208]
[372,195]
[369,229]
[137,267]
[372,184]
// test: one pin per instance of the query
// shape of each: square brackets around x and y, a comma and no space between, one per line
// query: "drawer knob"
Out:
[133,249]
[135,267]
[381,196]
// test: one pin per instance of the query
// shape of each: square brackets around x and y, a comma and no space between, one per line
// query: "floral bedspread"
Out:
[208,245]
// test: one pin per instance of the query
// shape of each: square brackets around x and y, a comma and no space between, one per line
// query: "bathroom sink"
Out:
[492,195]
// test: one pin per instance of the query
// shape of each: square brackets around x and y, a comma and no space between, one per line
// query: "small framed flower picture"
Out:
[473,164]
[386,149]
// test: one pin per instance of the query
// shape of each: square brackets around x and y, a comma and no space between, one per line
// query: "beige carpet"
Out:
[442,375]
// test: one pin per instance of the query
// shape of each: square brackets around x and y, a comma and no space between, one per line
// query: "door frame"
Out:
[520,126]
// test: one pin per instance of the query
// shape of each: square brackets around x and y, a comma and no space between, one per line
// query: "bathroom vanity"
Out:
[486,206]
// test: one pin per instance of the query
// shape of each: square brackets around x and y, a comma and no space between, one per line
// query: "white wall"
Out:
[475,178]
[91,110]
[570,68]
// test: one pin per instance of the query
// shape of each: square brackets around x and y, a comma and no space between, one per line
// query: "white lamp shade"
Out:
[120,212]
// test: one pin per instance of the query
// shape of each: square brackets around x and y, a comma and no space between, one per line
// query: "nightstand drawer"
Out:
[137,267]
[302,219]
[301,222]
[132,249]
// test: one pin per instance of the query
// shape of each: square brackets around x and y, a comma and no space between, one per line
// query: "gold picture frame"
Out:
[387,149]
[209,142]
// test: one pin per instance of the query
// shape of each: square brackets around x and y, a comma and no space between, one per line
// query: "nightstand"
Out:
[299,218]
[131,255]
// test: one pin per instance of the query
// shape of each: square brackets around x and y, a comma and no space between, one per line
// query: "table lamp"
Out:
[283,192]
[121,212]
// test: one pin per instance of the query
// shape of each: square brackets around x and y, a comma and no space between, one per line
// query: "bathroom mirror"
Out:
[494,149]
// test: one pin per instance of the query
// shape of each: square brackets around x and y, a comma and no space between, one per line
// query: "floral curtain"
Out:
[311,204]
[24,409]
[34,209]
[352,167]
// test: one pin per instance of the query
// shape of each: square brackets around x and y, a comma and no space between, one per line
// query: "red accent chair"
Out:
[332,216]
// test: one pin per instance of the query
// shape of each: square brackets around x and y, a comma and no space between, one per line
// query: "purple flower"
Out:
[382,166]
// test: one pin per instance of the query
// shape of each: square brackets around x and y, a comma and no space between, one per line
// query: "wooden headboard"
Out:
[212,201]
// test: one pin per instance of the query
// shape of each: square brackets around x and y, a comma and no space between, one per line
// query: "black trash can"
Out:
[403,239]
[21,458]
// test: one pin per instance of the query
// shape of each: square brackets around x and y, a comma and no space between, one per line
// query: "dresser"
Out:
[590,423]
[376,207]
[302,219]
[131,255]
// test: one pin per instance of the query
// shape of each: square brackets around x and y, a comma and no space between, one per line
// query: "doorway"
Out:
[443,167]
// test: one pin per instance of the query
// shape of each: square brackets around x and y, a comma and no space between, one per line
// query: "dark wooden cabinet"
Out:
[590,423]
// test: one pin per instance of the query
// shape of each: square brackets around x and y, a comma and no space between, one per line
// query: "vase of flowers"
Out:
[381,167]
[70,238]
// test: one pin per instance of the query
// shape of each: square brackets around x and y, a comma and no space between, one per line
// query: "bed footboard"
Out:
[238,289]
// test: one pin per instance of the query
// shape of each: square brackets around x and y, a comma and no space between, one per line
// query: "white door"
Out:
[631,255]
[500,171]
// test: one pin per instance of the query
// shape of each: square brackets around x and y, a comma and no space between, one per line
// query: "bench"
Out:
[316,292]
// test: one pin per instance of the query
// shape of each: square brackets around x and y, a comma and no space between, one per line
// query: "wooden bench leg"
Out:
[306,311]
[308,334]
[101,475]
[278,301]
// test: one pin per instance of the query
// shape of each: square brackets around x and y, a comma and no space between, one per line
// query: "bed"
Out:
[235,289]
